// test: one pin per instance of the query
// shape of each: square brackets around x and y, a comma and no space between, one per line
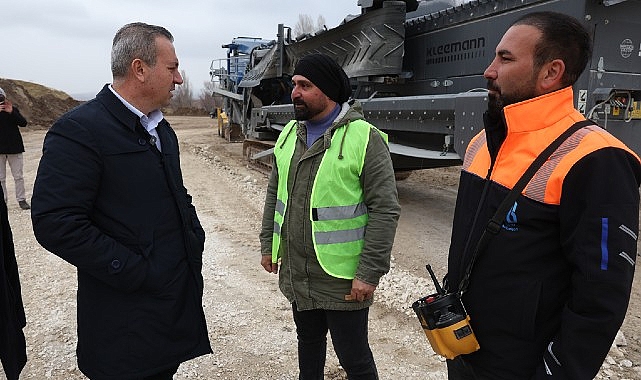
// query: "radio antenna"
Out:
[439,290]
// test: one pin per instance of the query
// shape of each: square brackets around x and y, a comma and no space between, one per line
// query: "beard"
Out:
[303,112]
[498,100]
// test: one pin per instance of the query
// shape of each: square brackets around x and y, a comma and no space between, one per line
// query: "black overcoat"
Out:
[106,201]
[12,318]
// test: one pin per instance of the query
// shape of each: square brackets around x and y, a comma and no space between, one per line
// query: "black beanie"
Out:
[326,74]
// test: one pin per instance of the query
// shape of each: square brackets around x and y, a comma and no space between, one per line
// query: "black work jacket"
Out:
[549,293]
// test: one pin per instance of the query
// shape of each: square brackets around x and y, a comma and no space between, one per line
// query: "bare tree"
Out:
[320,23]
[305,25]
[183,94]
[207,99]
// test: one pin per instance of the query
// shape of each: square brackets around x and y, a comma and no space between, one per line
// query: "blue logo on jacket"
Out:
[511,221]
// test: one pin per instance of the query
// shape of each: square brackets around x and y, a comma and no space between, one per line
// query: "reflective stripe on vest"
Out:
[339,213]
[280,209]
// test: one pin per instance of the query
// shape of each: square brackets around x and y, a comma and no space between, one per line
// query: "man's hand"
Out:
[6,107]
[266,262]
[361,291]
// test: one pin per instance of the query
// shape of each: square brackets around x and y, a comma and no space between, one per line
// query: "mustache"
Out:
[492,87]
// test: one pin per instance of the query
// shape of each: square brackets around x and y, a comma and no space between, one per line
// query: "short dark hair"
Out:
[562,37]
[135,41]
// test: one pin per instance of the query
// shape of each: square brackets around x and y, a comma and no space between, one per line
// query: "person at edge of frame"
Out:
[13,349]
[549,293]
[12,148]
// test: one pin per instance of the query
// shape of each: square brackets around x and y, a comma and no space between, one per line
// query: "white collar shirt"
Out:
[149,122]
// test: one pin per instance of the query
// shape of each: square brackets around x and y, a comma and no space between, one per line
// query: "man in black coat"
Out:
[13,352]
[109,199]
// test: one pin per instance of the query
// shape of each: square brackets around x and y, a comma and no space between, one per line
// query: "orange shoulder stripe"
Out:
[547,184]
[473,148]
[580,144]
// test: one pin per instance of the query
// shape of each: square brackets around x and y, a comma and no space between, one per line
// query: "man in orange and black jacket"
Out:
[549,293]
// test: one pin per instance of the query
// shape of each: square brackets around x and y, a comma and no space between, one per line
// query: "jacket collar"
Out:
[114,106]
[540,112]
[350,111]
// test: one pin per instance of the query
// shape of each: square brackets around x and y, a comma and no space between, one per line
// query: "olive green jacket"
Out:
[301,278]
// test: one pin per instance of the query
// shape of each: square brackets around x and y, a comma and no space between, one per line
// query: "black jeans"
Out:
[349,337]
[459,369]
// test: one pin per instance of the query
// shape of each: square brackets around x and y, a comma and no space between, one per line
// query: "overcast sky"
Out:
[66,44]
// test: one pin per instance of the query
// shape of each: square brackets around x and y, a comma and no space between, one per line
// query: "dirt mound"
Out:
[40,105]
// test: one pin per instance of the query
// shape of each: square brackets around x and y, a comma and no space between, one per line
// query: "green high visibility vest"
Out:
[337,213]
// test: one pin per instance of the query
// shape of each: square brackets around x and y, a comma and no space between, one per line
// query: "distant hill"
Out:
[40,105]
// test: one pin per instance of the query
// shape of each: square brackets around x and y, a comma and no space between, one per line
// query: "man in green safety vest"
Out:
[330,218]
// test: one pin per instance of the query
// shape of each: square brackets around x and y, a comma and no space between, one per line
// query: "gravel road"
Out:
[250,324]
